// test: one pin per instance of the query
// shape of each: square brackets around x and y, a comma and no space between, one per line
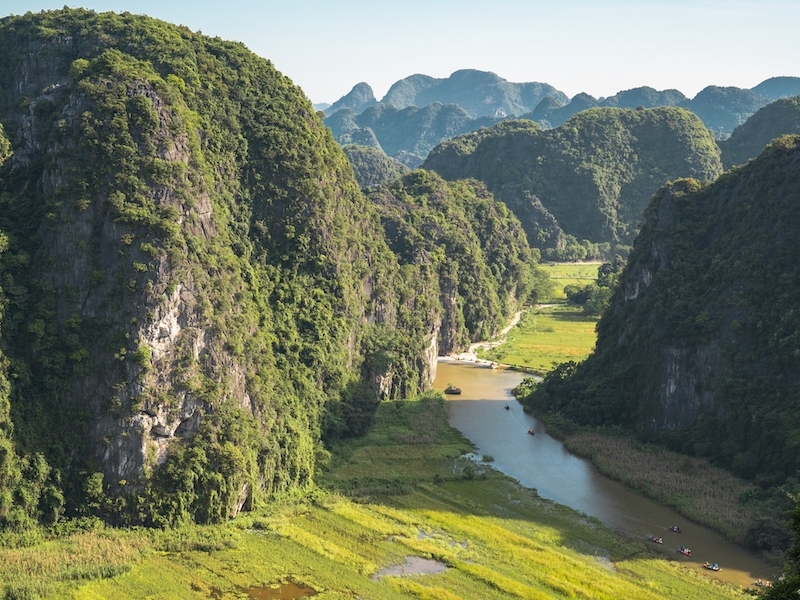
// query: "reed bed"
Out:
[31,571]
[701,492]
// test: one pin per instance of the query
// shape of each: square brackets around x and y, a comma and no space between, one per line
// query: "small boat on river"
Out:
[451,389]
[675,528]
[711,566]
[685,551]
[531,432]
[655,539]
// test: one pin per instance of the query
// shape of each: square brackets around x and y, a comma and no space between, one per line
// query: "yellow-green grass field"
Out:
[403,490]
[553,332]
[564,274]
[545,337]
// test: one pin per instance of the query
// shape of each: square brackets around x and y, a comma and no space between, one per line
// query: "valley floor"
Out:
[405,490]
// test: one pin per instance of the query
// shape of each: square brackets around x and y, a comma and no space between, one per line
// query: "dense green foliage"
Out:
[699,349]
[205,166]
[196,291]
[787,585]
[778,118]
[593,174]
[596,296]
[473,247]
[372,167]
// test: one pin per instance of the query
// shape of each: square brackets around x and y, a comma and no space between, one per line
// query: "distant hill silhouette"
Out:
[749,139]
[479,93]
[360,98]
[778,87]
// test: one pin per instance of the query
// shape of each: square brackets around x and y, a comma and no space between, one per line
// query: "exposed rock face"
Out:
[688,381]
[138,405]
[196,291]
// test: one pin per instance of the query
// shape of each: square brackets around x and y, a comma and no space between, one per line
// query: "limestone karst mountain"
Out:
[195,292]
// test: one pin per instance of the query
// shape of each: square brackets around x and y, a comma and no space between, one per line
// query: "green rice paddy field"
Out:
[564,274]
[555,332]
[405,490]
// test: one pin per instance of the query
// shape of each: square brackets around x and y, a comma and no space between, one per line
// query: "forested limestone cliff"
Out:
[700,346]
[195,291]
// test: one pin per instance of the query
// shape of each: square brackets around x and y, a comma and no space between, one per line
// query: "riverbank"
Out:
[737,509]
[545,335]
[473,351]
[702,493]
[403,495]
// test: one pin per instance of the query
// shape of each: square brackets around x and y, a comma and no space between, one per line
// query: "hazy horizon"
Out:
[575,45]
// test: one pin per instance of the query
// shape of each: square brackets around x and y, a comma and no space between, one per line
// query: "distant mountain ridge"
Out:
[778,118]
[409,130]
[420,111]
[479,93]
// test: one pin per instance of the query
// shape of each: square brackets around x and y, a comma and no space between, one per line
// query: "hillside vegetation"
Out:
[778,118]
[579,189]
[699,347]
[474,245]
[195,292]
[373,168]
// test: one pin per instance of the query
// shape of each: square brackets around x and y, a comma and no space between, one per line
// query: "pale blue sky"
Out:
[598,47]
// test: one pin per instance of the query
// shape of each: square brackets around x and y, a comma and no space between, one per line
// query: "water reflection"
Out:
[541,462]
[414,565]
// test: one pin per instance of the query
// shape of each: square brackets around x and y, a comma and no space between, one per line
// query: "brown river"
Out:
[541,462]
